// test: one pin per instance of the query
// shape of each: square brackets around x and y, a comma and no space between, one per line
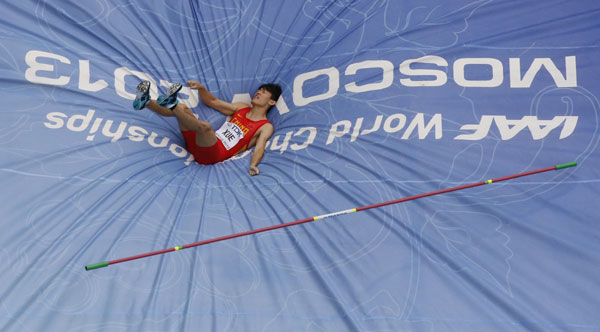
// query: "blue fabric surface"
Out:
[381,100]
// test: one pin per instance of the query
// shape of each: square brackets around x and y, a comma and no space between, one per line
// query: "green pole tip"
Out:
[567,165]
[96,266]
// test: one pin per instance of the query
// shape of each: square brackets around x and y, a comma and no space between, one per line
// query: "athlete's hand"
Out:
[193,84]
[253,170]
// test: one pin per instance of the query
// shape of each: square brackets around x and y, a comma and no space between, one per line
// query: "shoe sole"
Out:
[165,100]
[143,96]
[173,89]
[143,88]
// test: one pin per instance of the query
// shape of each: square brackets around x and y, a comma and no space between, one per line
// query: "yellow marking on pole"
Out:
[177,248]
[488,181]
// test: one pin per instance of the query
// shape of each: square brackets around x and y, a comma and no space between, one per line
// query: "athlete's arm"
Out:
[210,100]
[264,133]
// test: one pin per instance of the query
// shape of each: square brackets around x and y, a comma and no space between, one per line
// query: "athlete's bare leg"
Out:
[205,135]
[160,110]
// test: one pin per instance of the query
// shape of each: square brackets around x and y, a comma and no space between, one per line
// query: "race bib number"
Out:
[229,134]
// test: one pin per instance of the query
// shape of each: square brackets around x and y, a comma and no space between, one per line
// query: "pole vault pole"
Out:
[302,221]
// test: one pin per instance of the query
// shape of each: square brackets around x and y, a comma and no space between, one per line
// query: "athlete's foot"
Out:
[143,95]
[169,99]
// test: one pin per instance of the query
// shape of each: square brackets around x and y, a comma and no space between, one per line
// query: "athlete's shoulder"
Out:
[266,129]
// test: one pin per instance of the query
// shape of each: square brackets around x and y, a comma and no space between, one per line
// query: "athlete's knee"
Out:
[198,126]
[203,127]
[185,109]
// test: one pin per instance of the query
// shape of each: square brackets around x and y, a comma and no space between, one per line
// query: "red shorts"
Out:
[204,155]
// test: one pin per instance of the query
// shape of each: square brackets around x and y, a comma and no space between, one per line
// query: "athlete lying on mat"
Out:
[247,128]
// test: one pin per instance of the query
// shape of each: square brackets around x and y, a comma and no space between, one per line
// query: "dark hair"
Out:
[273,88]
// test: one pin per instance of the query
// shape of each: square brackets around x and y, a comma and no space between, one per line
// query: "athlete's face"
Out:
[262,97]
